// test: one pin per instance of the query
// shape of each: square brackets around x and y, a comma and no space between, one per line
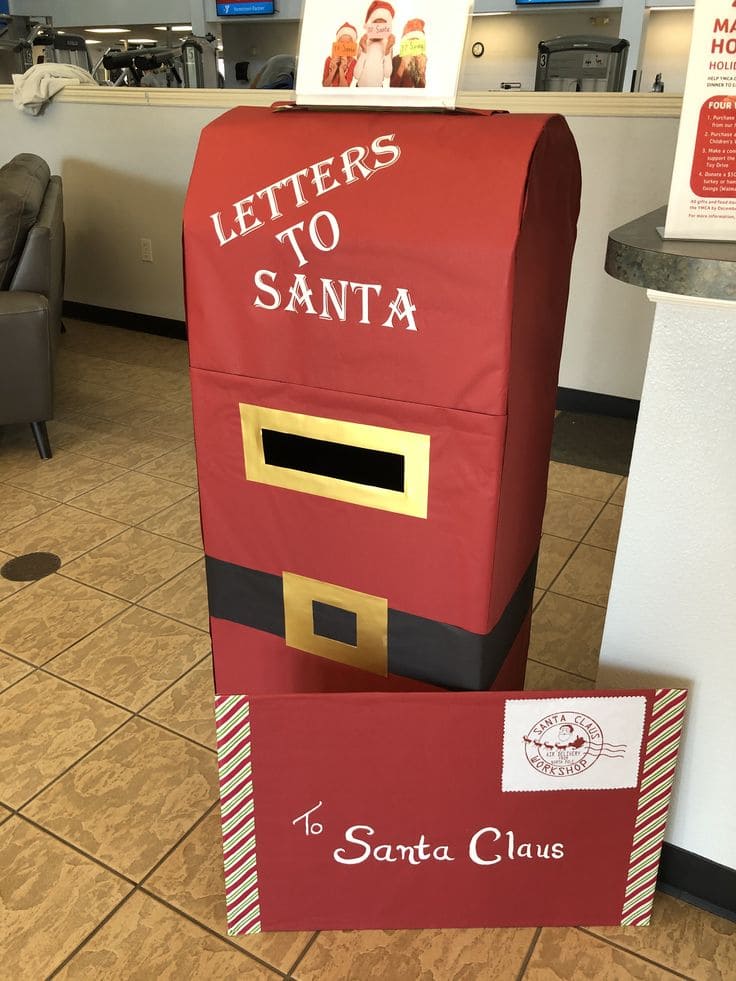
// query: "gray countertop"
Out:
[638,255]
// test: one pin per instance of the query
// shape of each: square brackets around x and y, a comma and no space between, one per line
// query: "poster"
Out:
[444,810]
[702,201]
[371,53]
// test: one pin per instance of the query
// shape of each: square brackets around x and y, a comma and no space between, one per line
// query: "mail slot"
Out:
[375,306]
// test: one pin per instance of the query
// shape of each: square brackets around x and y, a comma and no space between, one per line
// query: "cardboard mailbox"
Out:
[375,304]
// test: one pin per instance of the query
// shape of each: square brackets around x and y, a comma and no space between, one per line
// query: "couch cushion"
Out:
[23,184]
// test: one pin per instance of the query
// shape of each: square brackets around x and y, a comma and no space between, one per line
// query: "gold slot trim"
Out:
[414,447]
[370,653]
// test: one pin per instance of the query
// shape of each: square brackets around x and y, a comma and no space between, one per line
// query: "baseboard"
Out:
[697,880]
[576,400]
[143,322]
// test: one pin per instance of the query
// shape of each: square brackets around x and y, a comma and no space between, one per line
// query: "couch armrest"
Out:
[26,358]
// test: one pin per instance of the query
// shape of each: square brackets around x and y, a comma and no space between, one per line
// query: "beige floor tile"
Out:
[11,670]
[567,516]
[44,619]
[133,658]
[604,533]
[131,498]
[132,799]
[51,898]
[178,465]
[132,409]
[181,522]
[553,554]
[145,941]
[66,531]
[407,955]
[120,445]
[542,677]
[64,476]
[174,420]
[587,576]
[188,706]
[45,727]
[192,879]
[566,634]
[538,594]
[683,937]
[18,506]
[4,815]
[183,598]
[620,495]
[132,565]
[7,586]
[585,483]
[570,955]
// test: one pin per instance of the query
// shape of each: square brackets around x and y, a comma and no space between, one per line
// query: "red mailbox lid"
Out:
[370,252]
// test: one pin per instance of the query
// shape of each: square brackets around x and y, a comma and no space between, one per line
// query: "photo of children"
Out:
[384,52]
[409,67]
[376,46]
[340,63]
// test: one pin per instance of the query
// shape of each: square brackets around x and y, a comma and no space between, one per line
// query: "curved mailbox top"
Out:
[637,254]
[381,253]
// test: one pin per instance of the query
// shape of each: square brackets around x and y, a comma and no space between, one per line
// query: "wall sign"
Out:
[702,201]
[451,810]
[381,53]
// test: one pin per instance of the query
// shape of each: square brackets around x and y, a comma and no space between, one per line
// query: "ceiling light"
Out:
[108,30]
[91,40]
[181,27]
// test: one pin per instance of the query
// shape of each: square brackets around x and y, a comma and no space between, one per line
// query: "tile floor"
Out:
[109,836]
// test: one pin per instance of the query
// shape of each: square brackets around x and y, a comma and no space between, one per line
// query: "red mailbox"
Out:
[375,304]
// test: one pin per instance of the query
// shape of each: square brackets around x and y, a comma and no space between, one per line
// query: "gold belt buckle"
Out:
[369,653]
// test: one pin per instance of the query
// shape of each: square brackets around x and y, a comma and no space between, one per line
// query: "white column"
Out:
[671,616]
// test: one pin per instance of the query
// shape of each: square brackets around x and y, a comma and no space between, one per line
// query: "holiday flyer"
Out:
[702,201]
[371,53]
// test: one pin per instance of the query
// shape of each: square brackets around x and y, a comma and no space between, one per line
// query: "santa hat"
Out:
[378,11]
[414,28]
[347,29]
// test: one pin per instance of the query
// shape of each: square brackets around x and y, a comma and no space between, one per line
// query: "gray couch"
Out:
[31,292]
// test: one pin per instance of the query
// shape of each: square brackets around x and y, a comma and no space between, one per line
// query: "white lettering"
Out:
[262,285]
[403,308]
[351,839]
[301,295]
[473,847]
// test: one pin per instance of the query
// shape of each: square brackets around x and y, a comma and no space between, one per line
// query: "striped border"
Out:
[660,759]
[232,716]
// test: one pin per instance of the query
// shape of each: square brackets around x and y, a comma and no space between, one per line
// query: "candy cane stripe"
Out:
[232,715]
[660,754]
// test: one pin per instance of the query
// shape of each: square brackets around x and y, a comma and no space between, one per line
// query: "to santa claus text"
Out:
[488,846]
[327,298]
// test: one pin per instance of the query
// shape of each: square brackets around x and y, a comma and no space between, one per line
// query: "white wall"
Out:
[511,44]
[671,618]
[666,48]
[627,167]
[126,167]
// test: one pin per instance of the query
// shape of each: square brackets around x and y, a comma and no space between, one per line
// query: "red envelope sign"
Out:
[444,810]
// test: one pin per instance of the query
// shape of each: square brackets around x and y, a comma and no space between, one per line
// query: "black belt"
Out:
[418,648]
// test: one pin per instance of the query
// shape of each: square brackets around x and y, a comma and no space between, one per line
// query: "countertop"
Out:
[638,255]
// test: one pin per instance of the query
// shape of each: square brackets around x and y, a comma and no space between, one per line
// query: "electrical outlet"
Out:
[146,250]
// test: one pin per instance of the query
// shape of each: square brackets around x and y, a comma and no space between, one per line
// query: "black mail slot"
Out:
[374,468]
